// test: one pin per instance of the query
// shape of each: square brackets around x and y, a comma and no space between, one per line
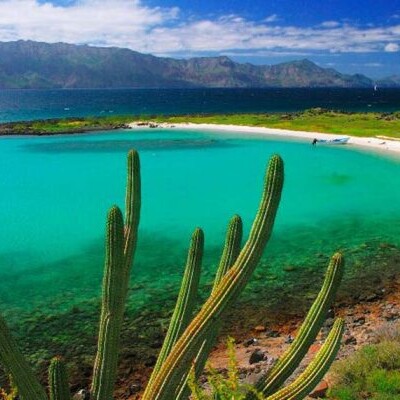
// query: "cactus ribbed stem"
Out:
[231,250]
[58,380]
[15,363]
[229,255]
[308,331]
[113,302]
[132,207]
[318,367]
[186,299]
[120,248]
[179,360]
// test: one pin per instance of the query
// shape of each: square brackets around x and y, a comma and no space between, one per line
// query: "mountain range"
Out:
[36,65]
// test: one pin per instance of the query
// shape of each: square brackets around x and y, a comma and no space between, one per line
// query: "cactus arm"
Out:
[231,249]
[308,331]
[132,207]
[112,309]
[229,255]
[186,299]
[15,363]
[58,380]
[318,367]
[185,350]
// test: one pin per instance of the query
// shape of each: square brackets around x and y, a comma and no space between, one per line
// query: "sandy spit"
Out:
[369,142]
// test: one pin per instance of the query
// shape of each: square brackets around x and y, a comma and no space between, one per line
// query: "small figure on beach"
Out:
[314,142]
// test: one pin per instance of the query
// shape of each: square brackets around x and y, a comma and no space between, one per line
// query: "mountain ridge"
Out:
[39,65]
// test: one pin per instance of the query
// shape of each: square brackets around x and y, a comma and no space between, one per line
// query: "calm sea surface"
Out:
[55,192]
[39,104]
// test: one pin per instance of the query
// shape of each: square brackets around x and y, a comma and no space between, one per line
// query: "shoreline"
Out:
[382,144]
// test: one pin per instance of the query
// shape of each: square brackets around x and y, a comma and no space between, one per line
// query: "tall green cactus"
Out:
[112,309]
[178,362]
[120,246]
[58,380]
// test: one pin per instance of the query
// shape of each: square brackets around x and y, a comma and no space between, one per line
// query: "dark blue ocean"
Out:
[17,105]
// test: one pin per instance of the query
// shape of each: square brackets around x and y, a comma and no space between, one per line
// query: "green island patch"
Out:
[369,124]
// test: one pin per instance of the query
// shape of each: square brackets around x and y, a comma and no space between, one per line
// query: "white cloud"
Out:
[158,30]
[392,47]
[272,18]
[112,22]
[330,24]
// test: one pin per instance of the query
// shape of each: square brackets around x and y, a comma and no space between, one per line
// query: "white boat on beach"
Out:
[342,140]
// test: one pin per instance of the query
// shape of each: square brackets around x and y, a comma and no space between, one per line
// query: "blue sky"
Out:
[348,35]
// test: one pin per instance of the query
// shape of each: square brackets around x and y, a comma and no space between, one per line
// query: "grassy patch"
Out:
[315,120]
[373,372]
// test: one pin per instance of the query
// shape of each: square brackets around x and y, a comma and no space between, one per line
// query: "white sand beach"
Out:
[374,143]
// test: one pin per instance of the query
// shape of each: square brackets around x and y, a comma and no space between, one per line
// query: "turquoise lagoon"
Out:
[55,193]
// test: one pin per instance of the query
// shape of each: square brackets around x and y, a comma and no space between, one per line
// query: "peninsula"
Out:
[378,130]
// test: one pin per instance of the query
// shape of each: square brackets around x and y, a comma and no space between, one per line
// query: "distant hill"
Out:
[390,81]
[34,65]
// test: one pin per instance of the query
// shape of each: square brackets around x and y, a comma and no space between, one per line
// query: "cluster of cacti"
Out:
[190,337]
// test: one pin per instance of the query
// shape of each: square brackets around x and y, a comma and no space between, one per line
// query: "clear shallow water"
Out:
[16,105]
[56,192]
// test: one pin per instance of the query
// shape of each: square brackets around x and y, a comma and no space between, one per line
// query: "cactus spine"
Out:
[316,370]
[185,350]
[186,299]
[58,380]
[308,331]
[120,246]
[15,363]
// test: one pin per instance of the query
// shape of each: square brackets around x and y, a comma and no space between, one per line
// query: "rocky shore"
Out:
[258,348]
[271,311]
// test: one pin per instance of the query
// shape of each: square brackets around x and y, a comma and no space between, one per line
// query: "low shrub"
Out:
[373,373]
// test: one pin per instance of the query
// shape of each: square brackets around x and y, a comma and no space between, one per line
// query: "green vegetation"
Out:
[222,386]
[373,372]
[190,335]
[313,120]
[63,125]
